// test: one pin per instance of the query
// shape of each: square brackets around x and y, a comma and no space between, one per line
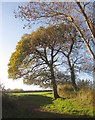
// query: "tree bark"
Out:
[55,93]
[84,40]
[72,72]
[73,78]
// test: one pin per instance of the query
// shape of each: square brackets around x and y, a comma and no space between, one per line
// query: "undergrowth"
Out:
[72,103]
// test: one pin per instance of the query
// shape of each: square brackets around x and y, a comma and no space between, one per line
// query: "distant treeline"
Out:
[29,91]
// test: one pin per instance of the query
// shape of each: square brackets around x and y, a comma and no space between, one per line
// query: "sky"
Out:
[11,32]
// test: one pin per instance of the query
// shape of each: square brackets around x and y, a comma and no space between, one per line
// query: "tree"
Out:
[72,52]
[77,13]
[73,58]
[35,58]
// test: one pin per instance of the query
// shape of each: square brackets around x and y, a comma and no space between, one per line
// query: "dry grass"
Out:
[40,105]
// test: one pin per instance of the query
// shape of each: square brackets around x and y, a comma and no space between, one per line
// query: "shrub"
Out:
[85,95]
[85,91]
[84,84]
[66,90]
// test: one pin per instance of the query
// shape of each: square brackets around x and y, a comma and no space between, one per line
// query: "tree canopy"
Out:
[77,13]
[36,56]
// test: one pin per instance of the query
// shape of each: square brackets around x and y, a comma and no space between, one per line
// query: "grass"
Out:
[41,105]
[69,106]
[48,94]
[27,105]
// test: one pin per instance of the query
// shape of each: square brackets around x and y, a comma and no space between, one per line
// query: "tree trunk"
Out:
[73,78]
[55,93]
[72,72]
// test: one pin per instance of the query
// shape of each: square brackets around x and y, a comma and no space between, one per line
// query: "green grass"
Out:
[48,94]
[41,105]
[69,106]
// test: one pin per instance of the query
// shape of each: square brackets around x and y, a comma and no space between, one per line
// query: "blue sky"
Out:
[11,32]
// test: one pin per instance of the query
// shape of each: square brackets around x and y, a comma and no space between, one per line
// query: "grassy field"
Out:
[42,105]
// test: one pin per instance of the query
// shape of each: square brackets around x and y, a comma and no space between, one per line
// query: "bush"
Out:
[84,84]
[66,90]
[85,90]
[82,100]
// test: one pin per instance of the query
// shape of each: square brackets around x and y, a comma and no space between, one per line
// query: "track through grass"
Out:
[41,105]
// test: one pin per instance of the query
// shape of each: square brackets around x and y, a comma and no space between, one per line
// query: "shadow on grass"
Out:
[28,106]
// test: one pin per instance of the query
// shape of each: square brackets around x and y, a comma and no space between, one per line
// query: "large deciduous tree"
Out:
[35,58]
[38,54]
[73,53]
[73,57]
[77,13]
